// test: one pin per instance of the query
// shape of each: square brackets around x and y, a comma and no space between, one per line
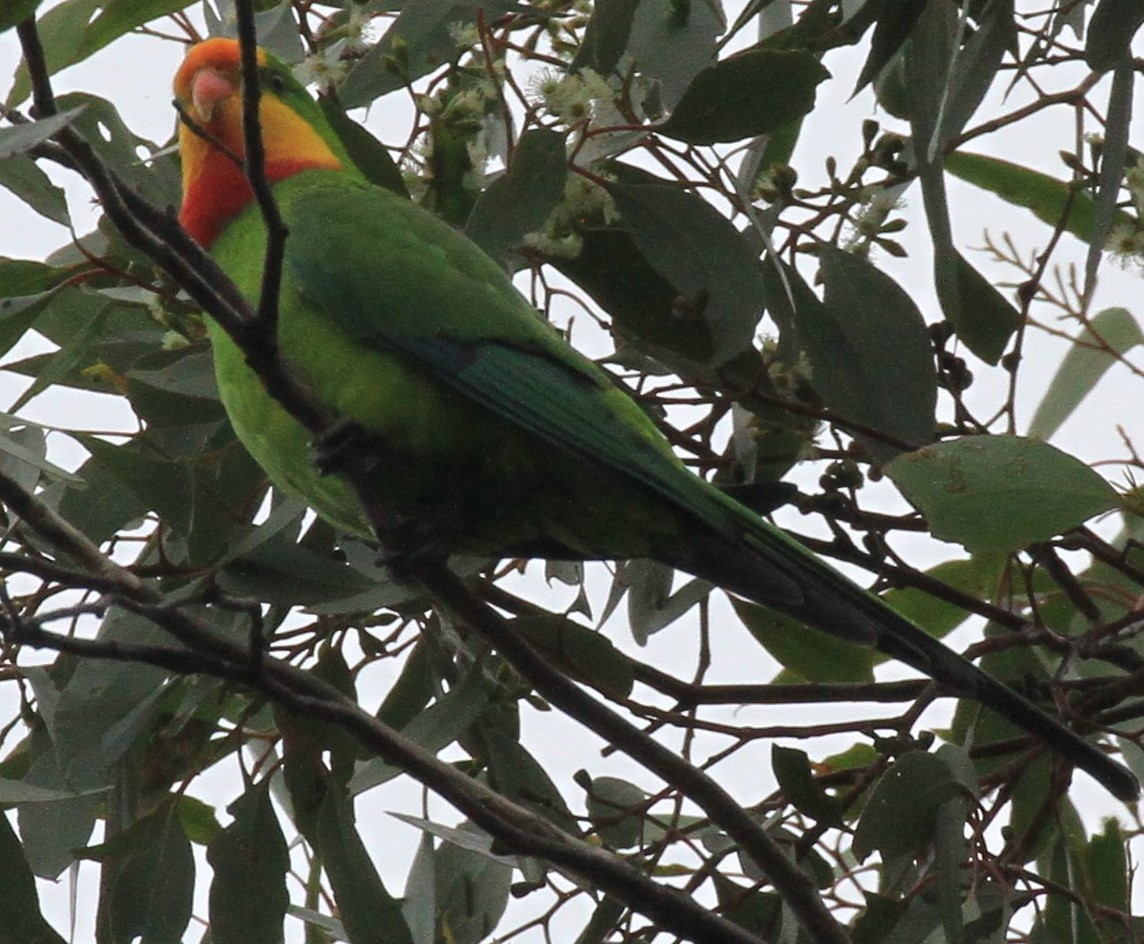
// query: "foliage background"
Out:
[111,334]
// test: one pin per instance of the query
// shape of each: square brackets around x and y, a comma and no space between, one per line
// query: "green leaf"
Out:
[13,792]
[27,277]
[807,652]
[105,704]
[52,830]
[671,42]
[23,177]
[248,895]
[281,571]
[602,923]
[13,11]
[1052,201]
[472,892]
[412,690]
[369,914]
[758,912]
[939,617]
[902,812]
[999,493]
[613,271]
[896,920]
[752,93]
[520,200]
[617,810]
[20,919]
[420,39]
[61,32]
[152,881]
[792,770]
[586,655]
[23,454]
[974,67]
[70,32]
[369,155]
[870,352]
[21,138]
[101,125]
[122,16]
[1114,155]
[197,819]
[518,776]
[419,905]
[895,22]
[710,264]
[605,37]
[1109,35]
[1105,880]
[435,728]
[980,315]
[949,853]
[1104,340]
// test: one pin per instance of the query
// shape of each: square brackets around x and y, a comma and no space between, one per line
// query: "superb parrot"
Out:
[499,438]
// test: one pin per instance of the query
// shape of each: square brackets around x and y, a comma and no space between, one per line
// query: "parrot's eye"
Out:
[276,82]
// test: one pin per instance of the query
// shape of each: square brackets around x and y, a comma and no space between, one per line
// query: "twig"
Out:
[255,167]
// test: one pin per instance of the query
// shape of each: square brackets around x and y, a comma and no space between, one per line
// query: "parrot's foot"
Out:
[344,447]
[410,545]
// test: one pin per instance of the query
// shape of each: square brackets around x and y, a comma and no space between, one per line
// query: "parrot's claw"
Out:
[343,447]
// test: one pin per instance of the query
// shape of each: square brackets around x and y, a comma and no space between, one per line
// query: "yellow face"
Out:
[208,91]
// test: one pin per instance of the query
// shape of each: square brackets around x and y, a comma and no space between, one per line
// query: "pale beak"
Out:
[208,90]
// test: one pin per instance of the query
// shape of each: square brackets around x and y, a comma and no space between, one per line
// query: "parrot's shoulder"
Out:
[387,269]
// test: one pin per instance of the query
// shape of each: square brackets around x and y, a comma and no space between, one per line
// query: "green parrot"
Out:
[499,438]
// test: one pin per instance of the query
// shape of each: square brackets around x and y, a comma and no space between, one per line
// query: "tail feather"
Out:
[835,605]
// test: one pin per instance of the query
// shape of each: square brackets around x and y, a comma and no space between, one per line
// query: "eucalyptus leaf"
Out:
[369,914]
[671,42]
[21,920]
[434,728]
[616,811]
[1052,201]
[606,36]
[1000,493]
[711,265]
[870,353]
[901,814]
[152,887]
[418,40]
[1108,336]
[248,895]
[13,11]
[61,30]
[519,201]
[23,177]
[1111,29]
[753,93]
[19,139]
[983,319]
[471,891]
[808,653]
[792,770]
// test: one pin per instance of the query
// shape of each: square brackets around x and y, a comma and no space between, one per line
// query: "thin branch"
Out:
[255,167]
[795,887]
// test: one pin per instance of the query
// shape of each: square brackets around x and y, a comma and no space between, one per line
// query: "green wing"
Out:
[430,297]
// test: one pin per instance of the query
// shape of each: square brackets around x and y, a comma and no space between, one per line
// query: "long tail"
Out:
[783,575]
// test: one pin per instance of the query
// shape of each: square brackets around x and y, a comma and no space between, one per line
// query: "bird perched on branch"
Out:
[498,437]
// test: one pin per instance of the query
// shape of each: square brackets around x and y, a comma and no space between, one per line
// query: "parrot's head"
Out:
[208,95]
